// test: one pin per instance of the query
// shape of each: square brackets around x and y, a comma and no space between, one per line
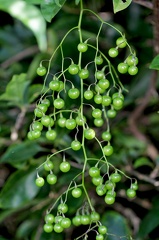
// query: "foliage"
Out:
[23,204]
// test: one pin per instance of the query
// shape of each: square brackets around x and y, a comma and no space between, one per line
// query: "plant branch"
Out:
[144,3]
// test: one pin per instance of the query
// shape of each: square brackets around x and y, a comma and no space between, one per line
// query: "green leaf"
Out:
[20,152]
[19,189]
[15,90]
[155,63]
[119,5]
[26,228]
[117,225]
[33,1]
[149,223]
[30,16]
[35,91]
[50,8]
[142,161]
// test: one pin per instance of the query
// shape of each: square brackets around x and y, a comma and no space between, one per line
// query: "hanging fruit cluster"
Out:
[100,92]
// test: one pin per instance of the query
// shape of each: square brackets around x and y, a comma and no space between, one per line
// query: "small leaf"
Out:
[20,152]
[19,189]
[119,5]
[142,161]
[15,90]
[50,8]
[116,224]
[155,63]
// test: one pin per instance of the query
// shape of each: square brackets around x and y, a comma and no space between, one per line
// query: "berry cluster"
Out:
[98,98]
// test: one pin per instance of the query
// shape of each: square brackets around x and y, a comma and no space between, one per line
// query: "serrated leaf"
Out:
[15,90]
[119,5]
[20,152]
[19,189]
[30,16]
[155,63]
[142,161]
[50,8]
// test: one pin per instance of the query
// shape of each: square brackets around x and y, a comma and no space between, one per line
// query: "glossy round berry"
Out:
[61,87]
[113,52]
[118,103]
[98,99]
[134,186]
[76,192]
[51,135]
[30,135]
[97,113]
[58,218]
[65,167]
[37,126]
[98,122]
[110,185]
[62,122]
[82,47]
[122,68]
[104,84]
[108,150]
[120,42]
[65,222]
[39,182]
[131,193]
[76,220]
[83,73]
[51,178]
[101,189]
[88,94]
[99,89]
[106,136]
[58,228]
[99,75]
[115,177]
[36,134]
[73,93]
[46,102]
[73,69]
[54,85]
[95,217]
[132,70]
[49,218]
[85,219]
[46,120]
[48,165]
[111,113]
[98,60]
[106,100]
[97,180]
[89,133]
[80,120]
[132,60]
[76,145]
[62,207]
[38,113]
[70,123]
[94,172]
[48,227]
[41,71]
[118,95]
[42,107]
[99,237]
[59,103]
[109,199]
[102,229]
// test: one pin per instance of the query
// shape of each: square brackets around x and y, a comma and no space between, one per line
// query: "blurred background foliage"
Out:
[134,130]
